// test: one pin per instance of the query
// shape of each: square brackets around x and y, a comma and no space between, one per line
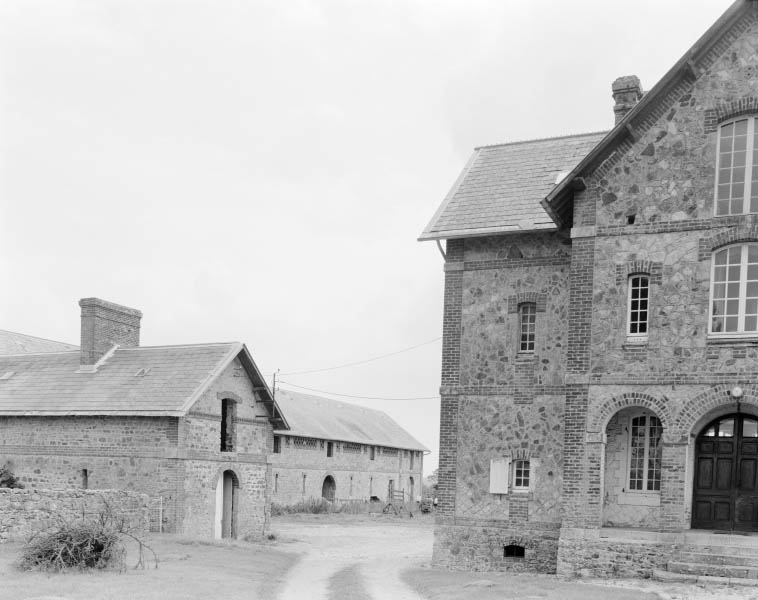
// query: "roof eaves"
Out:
[621,130]
[91,413]
[276,417]
[428,233]
[487,231]
[417,446]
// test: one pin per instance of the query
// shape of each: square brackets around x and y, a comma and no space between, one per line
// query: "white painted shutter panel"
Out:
[499,470]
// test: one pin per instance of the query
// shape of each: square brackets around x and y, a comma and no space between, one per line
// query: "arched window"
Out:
[645,434]
[737,177]
[527,326]
[734,291]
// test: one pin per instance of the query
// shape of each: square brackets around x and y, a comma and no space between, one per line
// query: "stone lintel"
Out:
[453,266]
[583,231]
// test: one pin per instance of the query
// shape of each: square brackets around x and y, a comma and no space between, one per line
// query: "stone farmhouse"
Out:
[341,451]
[599,388]
[192,425]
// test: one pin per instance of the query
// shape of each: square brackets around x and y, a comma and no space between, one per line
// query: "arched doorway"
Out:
[227,493]
[725,492]
[329,488]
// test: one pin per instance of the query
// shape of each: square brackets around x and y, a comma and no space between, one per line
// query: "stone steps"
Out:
[712,570]
[661,575]
[736,559]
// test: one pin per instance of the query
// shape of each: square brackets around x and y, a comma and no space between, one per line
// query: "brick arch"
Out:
[654,270]
[704,406]
[228,396]
[538,299]
[736,108]
[735,235]
[629,400]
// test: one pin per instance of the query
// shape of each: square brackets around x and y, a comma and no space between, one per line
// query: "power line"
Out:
[354,396]
[361,362]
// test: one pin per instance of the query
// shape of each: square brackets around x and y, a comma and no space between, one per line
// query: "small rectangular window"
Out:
[528,326]
[227,425]
[329,449]
[277,444]
[639,292]
[372,453]
[411,460]
[521,475]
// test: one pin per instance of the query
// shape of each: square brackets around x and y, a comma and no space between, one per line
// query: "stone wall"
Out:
[299,470]
[24,512]
[502,403]
[176,458]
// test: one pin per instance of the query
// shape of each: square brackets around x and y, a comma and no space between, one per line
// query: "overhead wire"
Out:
[357,397]
[362,362]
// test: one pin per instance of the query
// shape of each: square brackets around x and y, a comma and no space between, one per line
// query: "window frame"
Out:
[637,336]
[523,466]
[528,310]
[742,297]
[647,415]
[750,171]
[228,425]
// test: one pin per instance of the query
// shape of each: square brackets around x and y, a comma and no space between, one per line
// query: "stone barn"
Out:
[599,406]
[341,451]
[190,425]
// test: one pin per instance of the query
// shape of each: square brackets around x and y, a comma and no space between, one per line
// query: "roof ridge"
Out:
[36,337]
[545,139]
[121,349]
[76,351]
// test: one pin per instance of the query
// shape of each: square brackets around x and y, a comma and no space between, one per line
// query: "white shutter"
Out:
[499,471]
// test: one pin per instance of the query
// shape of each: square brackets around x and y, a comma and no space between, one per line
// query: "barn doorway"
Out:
[329,488]
[725,494]
[411,486]
[227,496]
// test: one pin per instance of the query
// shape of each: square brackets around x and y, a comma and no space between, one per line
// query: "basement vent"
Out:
[7,375]
[514,551]
[142,372]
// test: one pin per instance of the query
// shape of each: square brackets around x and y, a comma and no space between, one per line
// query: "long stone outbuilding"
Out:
[191,426]
[600,353]
[343,452]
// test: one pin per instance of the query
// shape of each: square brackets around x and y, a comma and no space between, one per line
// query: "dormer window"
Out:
[736,177]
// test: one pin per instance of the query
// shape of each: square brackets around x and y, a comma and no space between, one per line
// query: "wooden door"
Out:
[726,475]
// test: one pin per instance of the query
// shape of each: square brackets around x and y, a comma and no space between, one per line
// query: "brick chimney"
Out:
[105,324]
[627,91]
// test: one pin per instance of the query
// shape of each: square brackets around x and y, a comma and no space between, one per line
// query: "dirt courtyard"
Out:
[325,557]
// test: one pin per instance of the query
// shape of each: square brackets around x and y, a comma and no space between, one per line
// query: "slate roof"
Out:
[501,188]
[327,419]
[17,343]
[49,384]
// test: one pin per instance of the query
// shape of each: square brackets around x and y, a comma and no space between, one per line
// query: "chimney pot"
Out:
[627,92]
[105,324]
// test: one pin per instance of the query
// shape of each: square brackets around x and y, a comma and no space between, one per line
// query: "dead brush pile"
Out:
[75,546]
[95,542]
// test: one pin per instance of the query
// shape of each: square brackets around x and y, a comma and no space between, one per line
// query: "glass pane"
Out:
[751,324]
[726,428]
[710,432]
[730,324]
[752,253]
[749,428]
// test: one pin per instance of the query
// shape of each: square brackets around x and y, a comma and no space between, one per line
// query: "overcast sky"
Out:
[260,170]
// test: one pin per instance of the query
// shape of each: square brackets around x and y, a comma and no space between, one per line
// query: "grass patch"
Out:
[320,506]
[434,584]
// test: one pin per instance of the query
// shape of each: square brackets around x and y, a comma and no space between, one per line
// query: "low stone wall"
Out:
[614,553]
[25,512]
[459,546]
